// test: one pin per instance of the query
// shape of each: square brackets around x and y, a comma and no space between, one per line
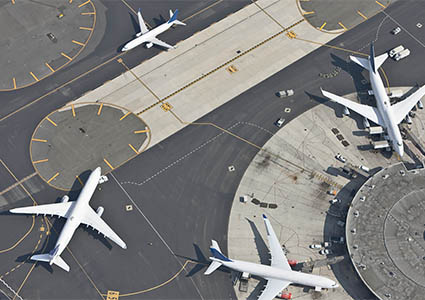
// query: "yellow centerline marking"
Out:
[40,161]
[132,148]
[64,55]
[79,180]
[14,83]
[362,15]
[100,109]
[73,110]
[124,116]
[381,4]
[86,28]
[78,43]
[323,25]
[87,13]
[13,1]
[39,140]
[141,131]
[308,13]
[342,25]
[53,177]
[48,119]
[81,5]
[107,162]
[47,65]
[33,76]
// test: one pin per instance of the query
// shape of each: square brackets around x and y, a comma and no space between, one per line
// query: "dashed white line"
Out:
[193,151]
[403,28]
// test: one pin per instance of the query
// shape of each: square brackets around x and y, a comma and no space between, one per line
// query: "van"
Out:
[402,54]
[396,50]
[364,168]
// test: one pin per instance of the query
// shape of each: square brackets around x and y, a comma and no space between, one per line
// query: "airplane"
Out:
[77,212]
[279,275]
[384,114]
[149,36]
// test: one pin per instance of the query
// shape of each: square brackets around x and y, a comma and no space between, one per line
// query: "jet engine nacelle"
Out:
[99,211]
[366,123]
[408,120]
[139,34]
[65,199]
[148,45]
[346,112]
[420,105]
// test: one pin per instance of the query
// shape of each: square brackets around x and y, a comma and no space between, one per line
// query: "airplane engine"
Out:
[366,123]
[139,34]
[65,199]
[420,105]
[346,112]
[148,45]
[99,211]
[408,120]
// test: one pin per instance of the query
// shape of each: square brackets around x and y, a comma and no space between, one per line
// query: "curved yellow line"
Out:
[157,286]
[21,239]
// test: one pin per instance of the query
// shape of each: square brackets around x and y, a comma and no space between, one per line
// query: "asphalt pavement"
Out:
[181,190]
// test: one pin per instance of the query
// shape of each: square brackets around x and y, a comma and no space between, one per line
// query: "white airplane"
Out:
[77,212]
[384,114]
[279,275]
[149,36]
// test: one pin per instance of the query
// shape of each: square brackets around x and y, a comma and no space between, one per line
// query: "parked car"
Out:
[315,246]
[396,30]
[279,122]
[334,201]
[325,251]
[340,158]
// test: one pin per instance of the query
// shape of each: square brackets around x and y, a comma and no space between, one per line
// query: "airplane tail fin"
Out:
[51,260]
[173,18]
[216,252]
[372,63]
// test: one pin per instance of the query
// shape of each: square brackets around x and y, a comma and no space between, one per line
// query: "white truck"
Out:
[395,51]
[402,54]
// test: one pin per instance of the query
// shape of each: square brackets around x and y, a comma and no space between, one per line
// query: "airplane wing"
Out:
[92,219]
[366,111]
[401,109]
[143,28]
[279,259]
[160,43]
[55,209]
[273,287]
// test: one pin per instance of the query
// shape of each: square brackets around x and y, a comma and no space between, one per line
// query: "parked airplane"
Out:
[149,36]
[77,212]
[279,275]
[384,114]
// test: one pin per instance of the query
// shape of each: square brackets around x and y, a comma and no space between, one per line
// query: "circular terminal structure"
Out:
[386,233]
[75,139]
[37,38]
[338,16]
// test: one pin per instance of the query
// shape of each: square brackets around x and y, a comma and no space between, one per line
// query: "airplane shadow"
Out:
[262,249]
[201,261]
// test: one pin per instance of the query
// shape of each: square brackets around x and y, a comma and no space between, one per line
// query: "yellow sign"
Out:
[113,295]
[166,106]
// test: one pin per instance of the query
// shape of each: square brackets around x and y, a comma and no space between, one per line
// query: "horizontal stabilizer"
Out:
[362,62]
[42,257]
[213,266]
[61,263]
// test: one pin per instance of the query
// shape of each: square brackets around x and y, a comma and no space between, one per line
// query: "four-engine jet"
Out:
[77,212]
[279,275]
[149,36]
[384,114]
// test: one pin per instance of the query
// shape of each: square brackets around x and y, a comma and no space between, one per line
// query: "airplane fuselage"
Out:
[78,209]
[269,272]
[144,38]
[384,107]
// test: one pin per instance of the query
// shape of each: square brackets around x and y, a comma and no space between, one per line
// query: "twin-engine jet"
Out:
[279,274]
[384,114]
[148,37]
[77,212]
